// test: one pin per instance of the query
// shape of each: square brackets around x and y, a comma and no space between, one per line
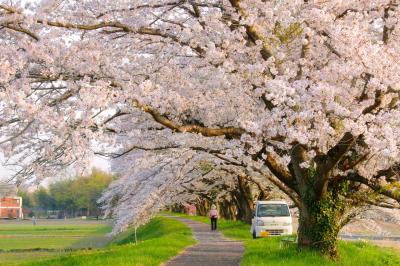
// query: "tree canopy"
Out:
[302,93]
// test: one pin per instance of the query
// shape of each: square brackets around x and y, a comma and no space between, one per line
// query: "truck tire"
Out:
[254,235]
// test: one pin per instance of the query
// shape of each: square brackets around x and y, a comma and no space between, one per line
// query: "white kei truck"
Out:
[271,218]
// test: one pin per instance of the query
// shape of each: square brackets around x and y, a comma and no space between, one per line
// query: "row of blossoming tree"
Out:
[301,93]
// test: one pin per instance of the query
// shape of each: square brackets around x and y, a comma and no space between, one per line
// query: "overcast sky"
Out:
[4,173]
[98,162]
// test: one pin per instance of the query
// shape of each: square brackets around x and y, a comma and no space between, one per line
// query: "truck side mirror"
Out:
[253,214]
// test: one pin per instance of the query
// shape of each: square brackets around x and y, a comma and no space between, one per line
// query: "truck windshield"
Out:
[272,210]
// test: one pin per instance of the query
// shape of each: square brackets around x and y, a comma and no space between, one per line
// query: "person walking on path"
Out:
[213,217]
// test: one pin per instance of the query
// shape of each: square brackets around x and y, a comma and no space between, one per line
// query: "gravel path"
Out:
[212,248]
[369,237]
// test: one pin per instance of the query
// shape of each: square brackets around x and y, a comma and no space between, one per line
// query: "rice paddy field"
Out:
[21,240]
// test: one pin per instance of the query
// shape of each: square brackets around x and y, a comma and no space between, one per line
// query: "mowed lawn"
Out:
[20,237]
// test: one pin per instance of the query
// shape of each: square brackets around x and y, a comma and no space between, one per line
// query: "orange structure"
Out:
[10,203]
[11,208]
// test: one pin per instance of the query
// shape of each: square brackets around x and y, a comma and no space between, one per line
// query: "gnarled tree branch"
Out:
[327,162]
[252,31]
[375,186]
[229,132]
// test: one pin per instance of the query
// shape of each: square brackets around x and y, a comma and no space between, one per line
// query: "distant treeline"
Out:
[68,197]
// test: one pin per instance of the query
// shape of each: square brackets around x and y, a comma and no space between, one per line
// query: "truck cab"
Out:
[271,218]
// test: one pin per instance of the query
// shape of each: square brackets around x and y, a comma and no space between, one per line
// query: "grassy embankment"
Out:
[269,251]
[159,240]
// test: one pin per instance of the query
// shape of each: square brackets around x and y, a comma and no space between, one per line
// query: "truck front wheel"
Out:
[254,234]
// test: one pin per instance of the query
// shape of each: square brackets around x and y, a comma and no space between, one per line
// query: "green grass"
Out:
[159,240]
[268,251]
[57,234]
[162,238]
[22,236]
[16,258]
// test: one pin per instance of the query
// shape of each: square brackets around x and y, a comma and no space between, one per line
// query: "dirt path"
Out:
[212,249]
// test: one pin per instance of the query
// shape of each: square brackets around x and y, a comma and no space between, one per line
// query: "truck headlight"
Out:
[259,223]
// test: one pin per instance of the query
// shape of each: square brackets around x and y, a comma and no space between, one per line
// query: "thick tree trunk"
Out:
[321,204]
[203,207]
[318,234]
[244,201]
[320,222]
[244,211]
[225,210]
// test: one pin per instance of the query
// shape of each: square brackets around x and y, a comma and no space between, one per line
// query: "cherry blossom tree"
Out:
[302,93]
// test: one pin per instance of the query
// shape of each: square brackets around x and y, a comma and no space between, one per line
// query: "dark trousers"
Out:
[213,224]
